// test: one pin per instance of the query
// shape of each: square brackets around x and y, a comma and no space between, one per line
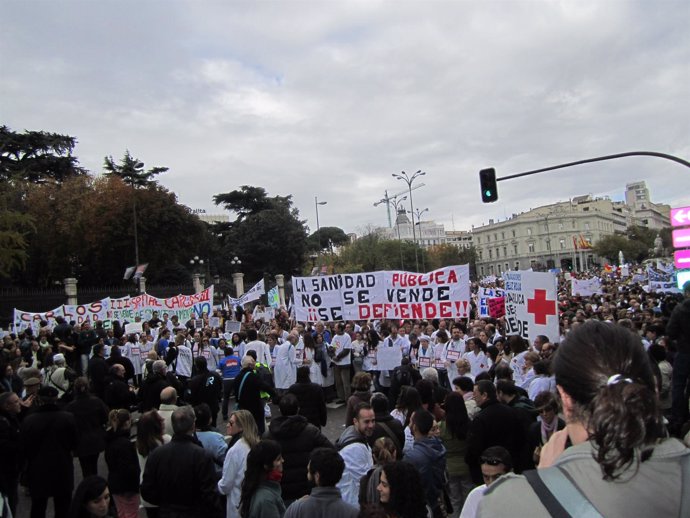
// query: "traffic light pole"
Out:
[598,159]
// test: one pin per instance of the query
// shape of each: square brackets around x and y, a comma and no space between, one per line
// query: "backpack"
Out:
[403,376]
[264,374]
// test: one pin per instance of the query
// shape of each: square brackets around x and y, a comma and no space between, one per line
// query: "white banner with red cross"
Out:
[531,305]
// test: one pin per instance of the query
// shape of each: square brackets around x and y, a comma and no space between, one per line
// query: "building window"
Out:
[503,236]
[586,225]
[561,243]
[491,253]
[495,237]
[506,267]
[478,240]
[517,265]
[560,226]
[481,269]
[505,254]
[480,255]
[488,238]
[491,269]
[530,248]
[515,249]
[513,233]
[529,231]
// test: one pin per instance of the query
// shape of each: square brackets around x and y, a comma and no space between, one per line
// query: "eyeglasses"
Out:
[491,461]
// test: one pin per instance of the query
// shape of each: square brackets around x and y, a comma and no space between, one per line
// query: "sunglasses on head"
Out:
[491,461]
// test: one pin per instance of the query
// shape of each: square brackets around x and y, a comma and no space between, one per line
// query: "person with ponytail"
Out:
[614,458]
[261,496]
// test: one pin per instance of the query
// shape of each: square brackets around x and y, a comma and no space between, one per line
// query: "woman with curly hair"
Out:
[614,451]
[400,491]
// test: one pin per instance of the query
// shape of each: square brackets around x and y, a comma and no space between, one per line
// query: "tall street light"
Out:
[409,180]
[318,228]
[419,213]
[397,204]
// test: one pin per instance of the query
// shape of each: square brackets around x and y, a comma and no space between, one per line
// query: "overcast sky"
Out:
[329,99]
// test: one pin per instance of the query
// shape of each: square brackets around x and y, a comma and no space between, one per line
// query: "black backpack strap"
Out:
[564,492]
[547,499]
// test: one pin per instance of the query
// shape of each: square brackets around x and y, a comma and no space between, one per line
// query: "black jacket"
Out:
[91,416]
[312,402]
[123,463]
[98,370]
[206,387]
[180,478]
[50,435]
[125,362]
[10,451]
[678,327]
[150,391]
[249,398]
[395,427]
[401,376]
[297,438]
[117,393]
[496,424]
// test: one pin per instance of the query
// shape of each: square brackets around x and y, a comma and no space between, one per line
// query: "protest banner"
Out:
[388,357]
[232,326]
[26,319]
[254,293]
[443,293]
[484,294]
[663,287]
[531,305]
[585,287]
[497,307]
[274,297]
[142,306]
[214,322]
[134,327]
[92,312]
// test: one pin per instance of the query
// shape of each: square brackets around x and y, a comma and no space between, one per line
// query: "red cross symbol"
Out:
[540,307]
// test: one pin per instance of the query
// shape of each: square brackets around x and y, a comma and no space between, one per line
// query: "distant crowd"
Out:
[456,429]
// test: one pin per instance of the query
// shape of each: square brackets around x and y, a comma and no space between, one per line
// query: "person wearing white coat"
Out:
[285,371]
[245,435]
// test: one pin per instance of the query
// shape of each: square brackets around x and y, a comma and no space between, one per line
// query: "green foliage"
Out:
[267,235]
[450,255]
[633,249]
[14,228]
[132,171]
[36,157]
[327,238]
[372,253]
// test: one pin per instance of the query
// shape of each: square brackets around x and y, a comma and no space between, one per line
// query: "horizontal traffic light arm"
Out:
[598,159]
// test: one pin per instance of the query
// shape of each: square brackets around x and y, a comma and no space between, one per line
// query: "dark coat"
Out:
[98,371]
[91,416]
[496,424]
[86,340]
[249,398]
[150,391]
[206,387]
[49,435]
[125,362]
[297,438]
[117,393]
[401,376]
[312,402]
[678,327]
[123,463]
[10,452]
[395,427]
[180,476]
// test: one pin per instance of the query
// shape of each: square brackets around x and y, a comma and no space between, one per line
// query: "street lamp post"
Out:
[397,204]
[419,213]
[409,180]
[318,228]
[197,265]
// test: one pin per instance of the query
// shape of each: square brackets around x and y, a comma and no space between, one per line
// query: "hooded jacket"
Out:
[428,455]
[297,438]
[678,327]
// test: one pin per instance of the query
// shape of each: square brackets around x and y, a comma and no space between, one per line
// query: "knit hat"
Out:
[59,358]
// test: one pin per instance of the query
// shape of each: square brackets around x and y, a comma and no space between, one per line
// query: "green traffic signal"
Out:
[487,181]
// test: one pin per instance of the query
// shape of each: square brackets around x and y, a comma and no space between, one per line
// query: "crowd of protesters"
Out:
[446,433]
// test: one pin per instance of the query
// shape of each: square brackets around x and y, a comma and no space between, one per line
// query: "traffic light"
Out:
[487,181]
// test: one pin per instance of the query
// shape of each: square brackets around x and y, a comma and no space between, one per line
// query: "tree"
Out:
[372,253]
[131,171]
[450,255]
[610,245]
[36,157]
[14,229]
[267,234]
[327,238]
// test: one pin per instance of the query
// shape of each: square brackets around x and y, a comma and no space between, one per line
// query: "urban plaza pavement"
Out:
[334,427]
